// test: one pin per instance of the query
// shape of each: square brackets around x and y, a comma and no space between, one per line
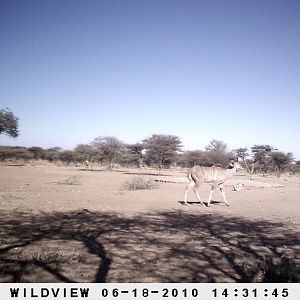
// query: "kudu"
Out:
[216,176]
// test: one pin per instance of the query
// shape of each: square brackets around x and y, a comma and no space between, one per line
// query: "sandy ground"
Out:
[71,224]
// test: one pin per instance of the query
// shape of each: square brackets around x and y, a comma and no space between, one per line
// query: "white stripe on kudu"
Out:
[214,175]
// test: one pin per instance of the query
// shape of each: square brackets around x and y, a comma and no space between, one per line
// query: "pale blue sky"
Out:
[202,70]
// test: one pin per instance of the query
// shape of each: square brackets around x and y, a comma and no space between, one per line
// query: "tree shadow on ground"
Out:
[213,202]
[165,246]
[145,173]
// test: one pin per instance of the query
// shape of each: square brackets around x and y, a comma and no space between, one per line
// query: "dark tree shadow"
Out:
[165,246]
[213,202]
[141,173]
[144,173]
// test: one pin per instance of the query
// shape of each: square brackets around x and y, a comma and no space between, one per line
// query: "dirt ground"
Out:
[72,224]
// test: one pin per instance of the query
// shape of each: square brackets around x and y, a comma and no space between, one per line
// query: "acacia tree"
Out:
[261,157]
[38,152]
[281,160]
[295,168]
[133,155]
[216,145]
[195,157]
[9,123]
[259,160]
[53,153]
[67,156]
[243,154]
[217,153]
[15,152]
[109,148]
[84,152]
[162,149]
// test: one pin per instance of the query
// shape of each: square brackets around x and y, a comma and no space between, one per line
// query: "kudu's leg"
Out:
[190,186]
[197,193]
[210,194]
[223,194]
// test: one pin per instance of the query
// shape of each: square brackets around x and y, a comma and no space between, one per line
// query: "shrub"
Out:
[48,256]
[140,183]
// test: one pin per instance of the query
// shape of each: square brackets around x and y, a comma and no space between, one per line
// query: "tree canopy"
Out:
[9,123]
[215,145]
[281,160]
[161,149]
[109,149]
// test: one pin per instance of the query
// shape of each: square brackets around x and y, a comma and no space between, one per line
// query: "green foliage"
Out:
[109,149]
[216,145]
[265,159]
[241,153]
[206,158]
[295,167]
[216,153]
[161,149]
[8,123]
[261,152]
[261,157]
[132,155]
[281,160]
[195,157]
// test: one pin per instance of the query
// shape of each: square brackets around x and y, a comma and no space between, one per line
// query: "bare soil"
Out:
[71,224]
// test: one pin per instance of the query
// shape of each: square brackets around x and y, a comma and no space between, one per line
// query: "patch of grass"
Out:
[48,256]
[140,183]
[21,263]
[73,180]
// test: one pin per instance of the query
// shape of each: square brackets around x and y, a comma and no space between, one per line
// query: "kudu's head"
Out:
[234,164]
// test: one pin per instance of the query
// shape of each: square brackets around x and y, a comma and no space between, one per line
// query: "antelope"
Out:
[216,176]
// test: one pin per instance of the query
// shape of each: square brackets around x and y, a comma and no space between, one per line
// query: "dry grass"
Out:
[73,180]
[140,183]
[48,256]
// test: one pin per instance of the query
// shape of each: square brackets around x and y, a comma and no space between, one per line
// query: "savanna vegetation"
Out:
[253,241]
[158,150]
[9,123]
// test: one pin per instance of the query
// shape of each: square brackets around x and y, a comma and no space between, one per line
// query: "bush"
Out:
[18,153]
[48,256]
[140,183]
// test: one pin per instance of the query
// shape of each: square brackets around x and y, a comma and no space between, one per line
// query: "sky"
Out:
[72,71]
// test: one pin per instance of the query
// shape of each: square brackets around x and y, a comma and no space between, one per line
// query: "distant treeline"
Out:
[160,151]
